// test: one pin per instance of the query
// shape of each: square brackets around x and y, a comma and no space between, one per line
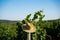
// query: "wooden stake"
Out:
[29,36]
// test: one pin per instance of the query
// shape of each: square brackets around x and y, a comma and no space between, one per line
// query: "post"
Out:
[29,36]
[32,29]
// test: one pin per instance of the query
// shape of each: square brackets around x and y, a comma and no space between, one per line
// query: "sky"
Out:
[19,9]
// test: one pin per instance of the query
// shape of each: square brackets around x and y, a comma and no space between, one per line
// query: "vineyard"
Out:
[45,29]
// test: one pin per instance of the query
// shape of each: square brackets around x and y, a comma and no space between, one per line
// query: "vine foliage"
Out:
[40,33]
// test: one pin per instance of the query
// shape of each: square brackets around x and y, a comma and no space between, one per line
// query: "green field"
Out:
[10,30]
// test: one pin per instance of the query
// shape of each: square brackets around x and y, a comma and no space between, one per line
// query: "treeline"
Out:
[45,29]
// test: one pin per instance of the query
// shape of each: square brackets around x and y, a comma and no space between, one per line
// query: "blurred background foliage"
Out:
[45,29]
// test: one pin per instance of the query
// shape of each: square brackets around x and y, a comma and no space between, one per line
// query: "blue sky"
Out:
[19,9]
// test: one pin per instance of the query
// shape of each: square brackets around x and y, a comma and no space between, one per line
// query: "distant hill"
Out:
[7,21]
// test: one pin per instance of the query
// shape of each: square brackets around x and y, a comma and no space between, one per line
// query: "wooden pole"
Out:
[29,36]
[32,29]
